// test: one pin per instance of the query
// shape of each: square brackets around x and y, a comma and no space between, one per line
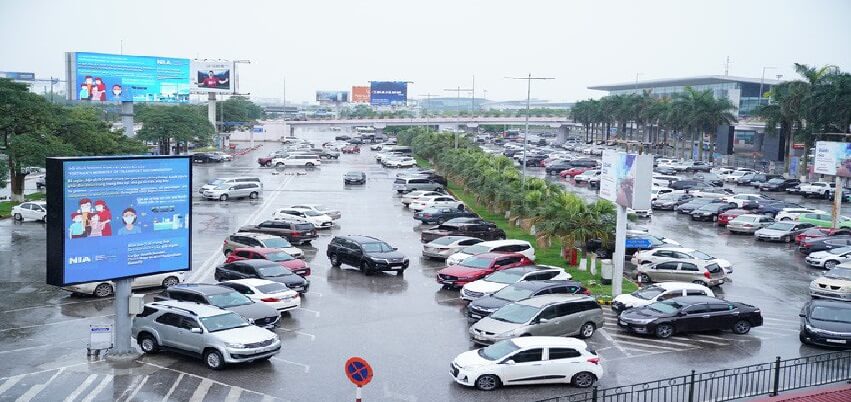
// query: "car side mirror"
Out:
[802,315]
[395,248]
[681,313]
[196,330]
[509,362]
[543,320]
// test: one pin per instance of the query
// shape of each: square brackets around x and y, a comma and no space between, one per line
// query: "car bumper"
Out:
[636,328]
[813,262]
[829,294]
[443,254]
[301,289]
[454,282]
[325,225]
[287,305]
[347,181]
[79,289]
[303,239]
[248,355]
[826,339]
[470,295]
[461,376]
[769,237]
[391,266]
[696,217]
[739,229]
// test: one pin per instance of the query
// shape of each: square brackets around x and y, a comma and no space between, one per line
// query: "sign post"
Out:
[359,373]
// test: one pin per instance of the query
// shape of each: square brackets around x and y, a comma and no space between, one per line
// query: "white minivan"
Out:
[221,181]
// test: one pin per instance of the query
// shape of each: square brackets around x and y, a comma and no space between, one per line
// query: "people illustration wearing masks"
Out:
[105,216]
[96,91]
[101,90]
[85,210]
[128,216]
[89,83]
[116,92]
[95,225]
[84,92]
[77,229]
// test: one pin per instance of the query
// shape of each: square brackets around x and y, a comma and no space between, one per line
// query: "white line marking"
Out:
[40,346]
[10,383]
[612,341]
[56,322]
[201,391]
[641,345]
[54,305]
[691,338]
[54,368]
[173,387]
[297,332]
[182,374]
[106,380]
[267,398]
[305,366]
[651,342]
[137,388]
[36,389]
[233,394]
[308,310]
[88,381]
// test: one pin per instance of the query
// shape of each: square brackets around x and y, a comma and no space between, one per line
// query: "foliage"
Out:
[181,124]
[240,109]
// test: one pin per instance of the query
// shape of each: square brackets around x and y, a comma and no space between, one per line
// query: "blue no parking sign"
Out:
[358,371]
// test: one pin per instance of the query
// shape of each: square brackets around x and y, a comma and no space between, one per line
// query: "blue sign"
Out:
[18,76]
[120,217]
[793,165]
[111,77]
[638,242]
[388,93]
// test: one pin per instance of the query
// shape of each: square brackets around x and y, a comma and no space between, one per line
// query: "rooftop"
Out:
[697,80]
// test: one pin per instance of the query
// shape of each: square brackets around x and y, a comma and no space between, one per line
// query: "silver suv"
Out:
[408,184]
[546,315]
[218,336]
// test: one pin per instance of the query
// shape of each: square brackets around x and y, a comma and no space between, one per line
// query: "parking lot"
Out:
[407,327]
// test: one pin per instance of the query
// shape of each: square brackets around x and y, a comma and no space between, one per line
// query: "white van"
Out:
[221,181]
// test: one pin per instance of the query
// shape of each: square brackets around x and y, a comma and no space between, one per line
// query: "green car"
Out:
[824,220]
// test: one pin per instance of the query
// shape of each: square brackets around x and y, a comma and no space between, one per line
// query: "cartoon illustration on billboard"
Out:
[626,180]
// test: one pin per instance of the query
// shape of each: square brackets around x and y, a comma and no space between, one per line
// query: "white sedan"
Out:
[493,246]
[658,292]
[528,360]
[416,194]
[792,214]
[104,289]
[273,294]
[400,162]
[445,246]
[333,213]
[321,221]
[30,210]
[829,258]
[660,254]
[741,199]
[434,201]
[500,279]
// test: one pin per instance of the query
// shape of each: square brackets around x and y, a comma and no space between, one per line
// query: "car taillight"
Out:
[586,292]
[426,215]
[594,360]
[270,299]
[296,233]
[707,274]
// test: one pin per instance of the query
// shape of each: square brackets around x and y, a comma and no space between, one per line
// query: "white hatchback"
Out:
[30,210]
[321,221]
[493,246]
[407,199]
[528,360]
[434,201]
[273,294]
[500,279]
[104,289]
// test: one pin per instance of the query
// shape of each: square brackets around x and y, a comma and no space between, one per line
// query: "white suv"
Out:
[658,292]
[661,254]
[297,160]
[320,220]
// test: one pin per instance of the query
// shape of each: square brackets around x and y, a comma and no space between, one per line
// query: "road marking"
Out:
[106,380]
[611,340]
[653,342]
[35,389]
[308,310]
[449,300]
[305,366]
[201,390]
[397,395]
[88,381]
[297,332]
[53,305]
[136,389]
[40,346]
[642,345]
[182,374]
[10,382]
[173,387]
[702,340]
[56,322]
[233,394]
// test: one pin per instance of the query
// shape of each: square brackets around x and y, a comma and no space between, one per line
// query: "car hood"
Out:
[831,326]
[391,255]
[462,272]
[771,232]
[496,327]
[483,286]
[459,256]
[470,359]
[294,264]
[824,280]
[489,303]
[254,311]
[247,334]
[643,313]
[630,300]
[293,251]
[821,254]
[289,280]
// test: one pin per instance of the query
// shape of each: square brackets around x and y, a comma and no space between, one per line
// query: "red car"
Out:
[725,217]
[350,149]
[297,266]
[478,266]
[813,233]
[573,172]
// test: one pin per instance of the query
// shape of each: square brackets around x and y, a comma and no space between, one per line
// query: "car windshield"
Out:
[279,256]
[513,293]
[654,241]
[476,249]
[504,277]
[229,299]
[710,207]
[222,322]
[311,213]
[377,247]
[273,287]
[776,181]
[273,271]
[831,313]
[839,273]
[784,226]
[477,262]
[277,242]
[515,313]
[670,197]
[700,255]
[666,307]
[353,174]
[304,226]
[498,350]
[648,292]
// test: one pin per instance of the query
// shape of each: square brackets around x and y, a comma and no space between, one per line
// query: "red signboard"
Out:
[358,371]
[798,146]
[360,94]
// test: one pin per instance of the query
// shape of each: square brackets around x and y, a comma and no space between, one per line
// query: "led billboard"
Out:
[625,179]
[360,94]
[213,76]
[388,93]
[833,158]
[102,77]
[117,217]
[332,96]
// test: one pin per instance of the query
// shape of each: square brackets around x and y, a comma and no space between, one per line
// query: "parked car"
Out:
[810,246]
[574,171]
[795,189]
[318,220]
[501,279]
[704,272]
[261,269]
[520,361]
[294,232]
[478,266]
[247,239]
[710,212]
[354,177]
[685,184]
[287,261]
[699,166]
[824,220]
[792,214]
[424,202]
[778,184]
[749,223]
[740,200]
[725,217]
[305,160]
[494,246]
[412,196]
[669,201]
[523,290]
[658,292]
[36,210]
[318,208]
[549,315]
[829,258]
[689,314]
[833,284]
[218,336]
[586,176]
[657,255]
[204,158]
[367,253]
[826,323]
[107,288]
[443,247]
[350,149]
[781,231]
[400,162]
[225,181]
[438,215]
[815,232]
[223,297]
[235,190]
[408,184]
[689,206]
[274,294]
[474,228]
[817,189]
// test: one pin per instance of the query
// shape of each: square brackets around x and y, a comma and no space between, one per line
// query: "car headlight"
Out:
[813,329]
[235,345]
[381,260]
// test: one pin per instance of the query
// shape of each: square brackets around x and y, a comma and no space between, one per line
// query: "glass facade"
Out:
[744,94]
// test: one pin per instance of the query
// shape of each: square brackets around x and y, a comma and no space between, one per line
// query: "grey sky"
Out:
[438,44]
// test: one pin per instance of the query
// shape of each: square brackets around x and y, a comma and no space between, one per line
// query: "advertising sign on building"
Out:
[100,77]
[625,179]
[360,94]
[117,217]
[833,158]
[332,96]
[17,76]
[213,76]
[388,93]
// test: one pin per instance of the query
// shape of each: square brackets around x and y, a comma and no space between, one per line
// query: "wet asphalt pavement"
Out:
[407,327]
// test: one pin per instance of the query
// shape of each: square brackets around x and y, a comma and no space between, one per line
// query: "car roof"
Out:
[680,249]
[257,263]
[532,268]
[38,202]
[204,288]
[678,285]
[537,285]
[494,256]
[253,282]
[500,243]
[696,299]
[546,300]
[360,238]
[259,250]
[202,310]
[253,235]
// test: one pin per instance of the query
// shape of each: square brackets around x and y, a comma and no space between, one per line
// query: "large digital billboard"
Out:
[332,96]
[213,76]
[117,217]
[626,179]
[360,94]
[833,158]
[388,93]
[102,77]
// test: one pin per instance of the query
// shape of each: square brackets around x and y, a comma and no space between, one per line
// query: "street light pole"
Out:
[458,105]
[761,81]
[428,97]
[528,79]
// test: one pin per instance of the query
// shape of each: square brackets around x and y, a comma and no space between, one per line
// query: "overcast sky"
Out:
[438,44]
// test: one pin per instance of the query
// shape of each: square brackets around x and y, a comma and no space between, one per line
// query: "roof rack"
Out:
[159,304]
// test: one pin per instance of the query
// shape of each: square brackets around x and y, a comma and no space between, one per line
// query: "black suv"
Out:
[367,253]
[258,314]
[261,269]
[440,215]
[474,228]
[207,158]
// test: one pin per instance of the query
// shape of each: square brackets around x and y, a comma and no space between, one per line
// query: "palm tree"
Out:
[569,219]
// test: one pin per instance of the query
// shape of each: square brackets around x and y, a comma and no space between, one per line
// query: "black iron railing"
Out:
[728,384]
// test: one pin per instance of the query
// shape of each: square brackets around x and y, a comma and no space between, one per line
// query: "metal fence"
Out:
[728,384]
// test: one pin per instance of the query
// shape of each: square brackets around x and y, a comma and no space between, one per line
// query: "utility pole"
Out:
[428,97]
[761,81]
[727,66]
[473,98]
[458,105]
[528,79]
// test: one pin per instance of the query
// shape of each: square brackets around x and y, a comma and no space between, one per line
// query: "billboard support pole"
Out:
[620,250]
[122,347]
[127,118]
[837,201]
[211,116]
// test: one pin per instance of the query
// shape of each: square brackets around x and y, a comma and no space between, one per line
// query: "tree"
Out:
[82,128]
[238,109]
[181,124]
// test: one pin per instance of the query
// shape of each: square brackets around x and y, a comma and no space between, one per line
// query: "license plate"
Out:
[843,341]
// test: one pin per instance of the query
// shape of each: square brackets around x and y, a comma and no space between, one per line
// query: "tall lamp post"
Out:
[761,82]
[528,79]
[428,97]
[458,93]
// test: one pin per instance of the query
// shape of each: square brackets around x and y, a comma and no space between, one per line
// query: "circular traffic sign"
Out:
[358,371]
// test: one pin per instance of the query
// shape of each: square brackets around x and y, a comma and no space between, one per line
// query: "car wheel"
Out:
[103,290]
[787,239]
[698,282]
[253,195]
[268,164]
[227,252]
[279,164]
[223,197]
[400,273]
[309,164]
[487,382]
[586,330]
[583,379]
[148,344]
[786,219]
[830,264]
[364,267]
[742,327]
[644,278]
[335,260]
[213,359]
[170,281]
[664,331]
[18,217]
[803,338]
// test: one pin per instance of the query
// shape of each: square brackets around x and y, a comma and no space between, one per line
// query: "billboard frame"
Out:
[129,88]
[193,78]
[54,185]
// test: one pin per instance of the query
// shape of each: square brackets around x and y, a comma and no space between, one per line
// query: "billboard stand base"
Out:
[122,349]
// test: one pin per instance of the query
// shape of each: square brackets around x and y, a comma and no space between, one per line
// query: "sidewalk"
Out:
[840,392]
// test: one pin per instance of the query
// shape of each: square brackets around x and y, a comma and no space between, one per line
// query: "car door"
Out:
[696,318]
[569,318]
[523,367]
[561,364]
[506,262]
[719,316]
[355,252]
[546,323]
[663,272]
[148,281]
[188,340]
[168,329]
[687,272]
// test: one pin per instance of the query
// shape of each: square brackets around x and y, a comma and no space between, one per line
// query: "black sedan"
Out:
[354,177]
[692,205]
[826,323]
[779,184]
[438,215]
[710,212]
[666,170]
[670,201]
[685,184]
[824,243]
[690,314]
[207,158]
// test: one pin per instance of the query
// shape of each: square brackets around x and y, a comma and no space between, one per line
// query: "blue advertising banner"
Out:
[111,77]
[388,93]
[120,217]
[793,166]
